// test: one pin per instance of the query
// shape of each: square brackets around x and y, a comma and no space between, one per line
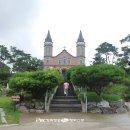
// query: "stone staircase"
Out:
[61,103]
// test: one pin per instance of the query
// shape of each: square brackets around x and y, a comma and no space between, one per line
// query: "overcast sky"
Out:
[24,24]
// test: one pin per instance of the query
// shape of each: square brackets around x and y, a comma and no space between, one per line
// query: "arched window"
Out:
[59,62]
[81,51]
[48,51]
[47,61]
[81,61]
[68,61]
[64,61]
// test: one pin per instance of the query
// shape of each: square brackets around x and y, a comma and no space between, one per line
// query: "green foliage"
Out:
[4,68]
[70,71]
[117,89]
[126,39]
[127,70]
[111,97]
[98,59]
[4,54]
[36,83]
[93,97]
[104,52]
[78,75]
[96,77]
[99,76]
[52,78]
[124,58]
[126,81]
[4,74]
[127,96]
[24,62]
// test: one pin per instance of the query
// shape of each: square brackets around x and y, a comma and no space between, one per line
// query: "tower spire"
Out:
[48,37]
[80,38]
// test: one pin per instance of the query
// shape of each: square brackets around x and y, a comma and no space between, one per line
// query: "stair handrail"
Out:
[73,85]
[84,105]
[52,93]
[49,96]
[46,97]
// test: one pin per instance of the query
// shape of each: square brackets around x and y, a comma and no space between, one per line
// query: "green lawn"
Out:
[11,116]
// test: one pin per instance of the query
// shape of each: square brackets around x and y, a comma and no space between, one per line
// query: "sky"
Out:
[25,23]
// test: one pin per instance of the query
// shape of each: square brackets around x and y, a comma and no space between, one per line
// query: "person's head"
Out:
[65,81]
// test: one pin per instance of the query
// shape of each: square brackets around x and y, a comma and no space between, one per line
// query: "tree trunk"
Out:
[106,58]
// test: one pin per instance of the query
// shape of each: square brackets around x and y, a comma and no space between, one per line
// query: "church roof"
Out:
[48,37]
[80,38]
[64,51]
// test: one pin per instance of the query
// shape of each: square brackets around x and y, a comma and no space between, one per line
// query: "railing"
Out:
[49,96]
[84,104]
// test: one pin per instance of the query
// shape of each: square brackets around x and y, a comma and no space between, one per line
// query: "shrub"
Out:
[93,97]
[96,77]
[78,75]
[117,89]
[111,97]
[35,82]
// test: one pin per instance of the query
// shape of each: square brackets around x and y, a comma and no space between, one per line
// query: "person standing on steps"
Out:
[66,87]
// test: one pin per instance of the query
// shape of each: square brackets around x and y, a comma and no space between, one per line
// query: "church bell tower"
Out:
[80,49]
[48,50]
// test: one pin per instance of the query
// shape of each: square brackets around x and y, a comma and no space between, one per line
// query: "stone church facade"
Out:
[63,60]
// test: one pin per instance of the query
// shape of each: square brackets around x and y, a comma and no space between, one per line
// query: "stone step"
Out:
[65,101]
[62,103]
[65,97]
[65,110]
[65,105]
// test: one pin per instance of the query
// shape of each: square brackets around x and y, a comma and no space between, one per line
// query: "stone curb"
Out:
[8,125]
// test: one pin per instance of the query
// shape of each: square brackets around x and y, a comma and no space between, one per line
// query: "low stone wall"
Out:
[32,106]
[92,107]
[107,107]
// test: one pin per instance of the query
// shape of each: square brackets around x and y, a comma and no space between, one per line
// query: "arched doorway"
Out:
[64,71]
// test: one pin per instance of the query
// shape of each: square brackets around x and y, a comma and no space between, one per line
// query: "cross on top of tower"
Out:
[64,47]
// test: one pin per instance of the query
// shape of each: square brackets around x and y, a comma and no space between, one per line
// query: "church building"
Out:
[63,60]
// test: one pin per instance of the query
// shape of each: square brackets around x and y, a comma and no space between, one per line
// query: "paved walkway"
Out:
[89,122]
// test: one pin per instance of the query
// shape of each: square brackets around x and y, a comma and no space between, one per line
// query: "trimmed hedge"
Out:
[36,83]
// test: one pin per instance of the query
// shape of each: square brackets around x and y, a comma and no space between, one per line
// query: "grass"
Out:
[11,116]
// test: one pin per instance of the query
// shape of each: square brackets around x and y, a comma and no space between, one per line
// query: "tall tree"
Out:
[126,39]
[4,74]
[98,59]
[24,62]
[4,54]
[107,53]
[124,58]
[5,57]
